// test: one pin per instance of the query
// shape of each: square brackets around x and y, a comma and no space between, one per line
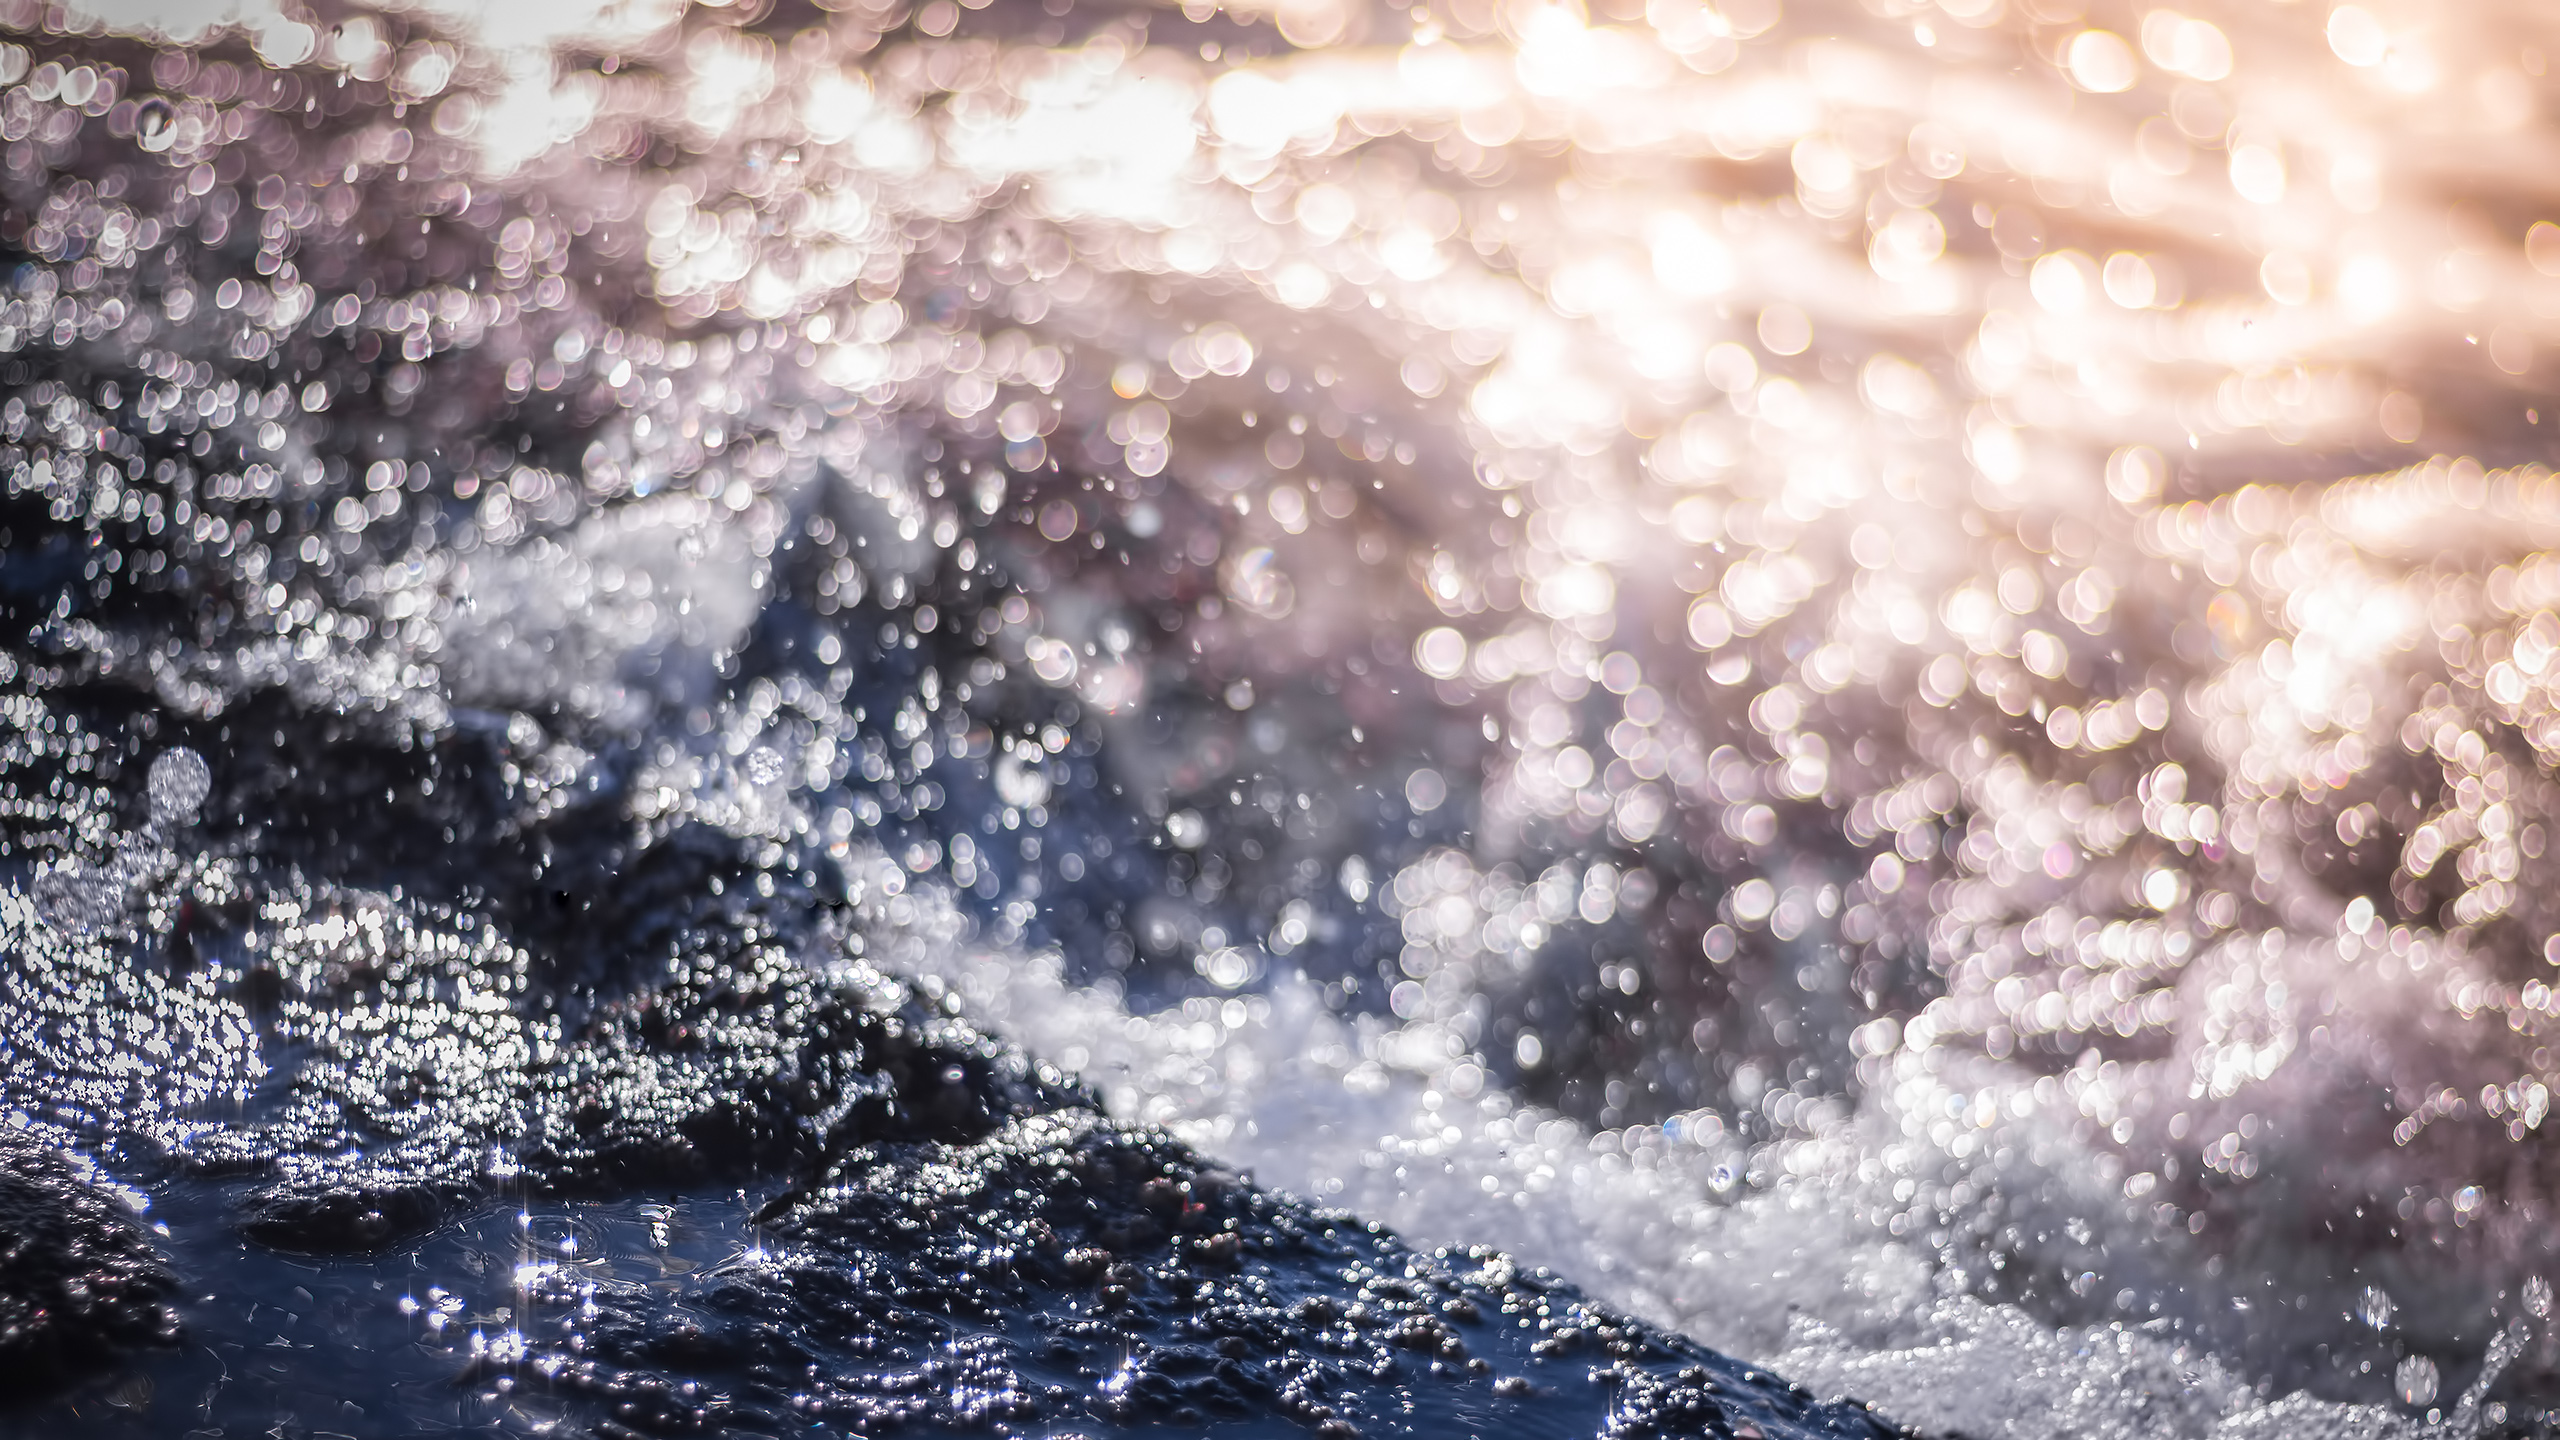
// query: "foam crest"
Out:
[1765,1250]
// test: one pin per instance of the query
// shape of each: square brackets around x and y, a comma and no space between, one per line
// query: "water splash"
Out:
[1918,638]
[85,898]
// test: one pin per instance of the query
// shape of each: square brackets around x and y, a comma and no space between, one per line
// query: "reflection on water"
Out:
[1879,677]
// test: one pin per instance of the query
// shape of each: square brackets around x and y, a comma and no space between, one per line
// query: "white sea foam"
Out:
[1771,1254]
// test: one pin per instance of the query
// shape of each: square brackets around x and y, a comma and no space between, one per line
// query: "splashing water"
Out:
[1880,679]
[85,898]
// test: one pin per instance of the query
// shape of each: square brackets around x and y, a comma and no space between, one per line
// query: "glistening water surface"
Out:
[788,717]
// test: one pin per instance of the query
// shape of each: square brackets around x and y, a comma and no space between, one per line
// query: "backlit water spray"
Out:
[1878,678]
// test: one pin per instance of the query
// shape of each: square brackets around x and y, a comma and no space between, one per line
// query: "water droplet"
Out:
[2374,1307]
[179,782]
[1425,791]
[155,124]
[2415,1380]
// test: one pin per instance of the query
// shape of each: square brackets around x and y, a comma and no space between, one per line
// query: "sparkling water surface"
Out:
[1876,679]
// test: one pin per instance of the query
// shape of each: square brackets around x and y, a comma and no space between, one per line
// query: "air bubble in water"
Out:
[2537,1297]
[179,782]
